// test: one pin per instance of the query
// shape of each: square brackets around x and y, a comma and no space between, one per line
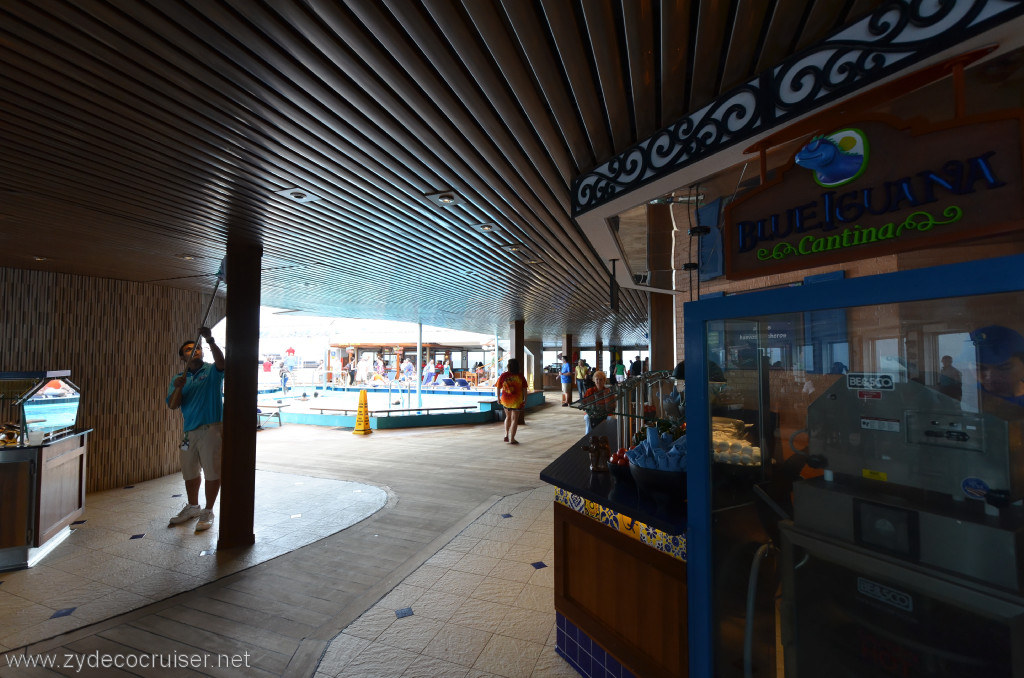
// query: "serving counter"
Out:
[42,464]
[620,570]
[42,491]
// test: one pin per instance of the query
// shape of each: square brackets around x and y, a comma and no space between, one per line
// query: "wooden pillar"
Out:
[515,341]
[537,349]
[567,350]
[662,319]
[238,466]
[599,349]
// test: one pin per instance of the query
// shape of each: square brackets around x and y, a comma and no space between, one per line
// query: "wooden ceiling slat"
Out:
[57,151]
[361,162]
[520,148]
[486,16]
[464,163]
[365,115]
[638,19]
[821,21]
[861,8]
[258,197]
[530,35]
[134,131]
[782,31]
[600,23]
[711,36]
[743,42]
[675,60]
[574,62]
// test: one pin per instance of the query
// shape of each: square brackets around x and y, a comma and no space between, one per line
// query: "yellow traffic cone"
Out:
[362,416]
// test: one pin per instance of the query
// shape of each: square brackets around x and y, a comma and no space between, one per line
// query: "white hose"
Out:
[748,636]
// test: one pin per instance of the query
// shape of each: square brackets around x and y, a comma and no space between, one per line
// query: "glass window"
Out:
[922,401]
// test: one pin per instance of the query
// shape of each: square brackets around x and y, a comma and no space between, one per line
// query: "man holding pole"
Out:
[197,391]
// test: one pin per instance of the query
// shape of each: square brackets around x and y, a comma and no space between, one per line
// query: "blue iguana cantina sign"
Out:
[879,187]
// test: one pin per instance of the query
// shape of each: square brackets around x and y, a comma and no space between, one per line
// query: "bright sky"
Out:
[311,335]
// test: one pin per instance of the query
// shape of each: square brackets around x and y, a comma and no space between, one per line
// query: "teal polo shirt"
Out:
[202,401]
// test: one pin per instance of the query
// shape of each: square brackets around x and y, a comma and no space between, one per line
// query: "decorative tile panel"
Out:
[584,654]
[672,544]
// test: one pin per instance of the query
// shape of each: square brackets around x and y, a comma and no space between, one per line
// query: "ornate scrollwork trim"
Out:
[897,34]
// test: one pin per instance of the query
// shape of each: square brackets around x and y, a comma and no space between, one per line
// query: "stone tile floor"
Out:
[105,568]
[482,606]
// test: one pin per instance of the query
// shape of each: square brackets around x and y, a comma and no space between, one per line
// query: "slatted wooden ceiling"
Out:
[136,134]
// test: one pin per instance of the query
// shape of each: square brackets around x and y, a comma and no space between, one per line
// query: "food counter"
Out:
[620,569]
[42,465]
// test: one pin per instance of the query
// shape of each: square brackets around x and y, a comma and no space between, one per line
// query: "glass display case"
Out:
[38,407]
[42,464]
[863,452]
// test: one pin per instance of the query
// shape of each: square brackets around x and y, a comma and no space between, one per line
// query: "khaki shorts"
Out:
[567,387]
[203,451]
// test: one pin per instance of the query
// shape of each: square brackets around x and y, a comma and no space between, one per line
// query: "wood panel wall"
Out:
[120,341]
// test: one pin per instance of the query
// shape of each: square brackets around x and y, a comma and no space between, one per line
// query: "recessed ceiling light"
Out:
[39,258]
[512,248]
[186,257]
[534,261]
[487,228]
[446,198]
[298,195]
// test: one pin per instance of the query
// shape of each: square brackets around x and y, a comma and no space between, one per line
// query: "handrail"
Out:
[428,409]
[375,413]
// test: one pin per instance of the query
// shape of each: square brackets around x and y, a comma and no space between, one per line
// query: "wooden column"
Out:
[598,350]
[537,349]
[662,318]
[567,350]
[515,341]
[238,468]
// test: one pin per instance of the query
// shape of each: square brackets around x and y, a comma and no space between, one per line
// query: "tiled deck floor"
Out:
[482,606]
[447,486]
[106,568]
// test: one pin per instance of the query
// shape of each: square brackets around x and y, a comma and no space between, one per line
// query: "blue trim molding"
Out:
[896,35]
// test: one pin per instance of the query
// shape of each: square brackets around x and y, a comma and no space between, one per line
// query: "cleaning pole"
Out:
[221,275]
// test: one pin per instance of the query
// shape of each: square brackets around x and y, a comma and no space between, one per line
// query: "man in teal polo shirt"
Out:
[197,391]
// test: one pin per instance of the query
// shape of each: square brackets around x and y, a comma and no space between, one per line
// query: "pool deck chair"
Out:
[264,413]
[462,382]
[446,382]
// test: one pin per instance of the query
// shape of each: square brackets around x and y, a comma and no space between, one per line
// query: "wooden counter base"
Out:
[625,595]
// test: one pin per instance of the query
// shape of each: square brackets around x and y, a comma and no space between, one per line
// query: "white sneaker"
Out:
[205,520]
[187,513]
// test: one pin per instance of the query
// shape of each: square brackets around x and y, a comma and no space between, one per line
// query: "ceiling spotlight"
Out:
[487,228]
[446,198]
[39,258]
[186,257]
[299,195]
[534,261]
[511,248]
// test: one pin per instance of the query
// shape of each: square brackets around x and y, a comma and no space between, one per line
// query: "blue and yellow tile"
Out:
[673,545]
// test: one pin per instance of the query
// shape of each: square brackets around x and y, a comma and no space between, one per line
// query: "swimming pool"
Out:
[394,409]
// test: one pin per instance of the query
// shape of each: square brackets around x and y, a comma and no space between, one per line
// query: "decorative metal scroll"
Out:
[896,35]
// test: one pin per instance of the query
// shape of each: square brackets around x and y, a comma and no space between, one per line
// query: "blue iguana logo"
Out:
[836,158]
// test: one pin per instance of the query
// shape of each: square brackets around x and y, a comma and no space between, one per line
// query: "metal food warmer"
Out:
[42,464]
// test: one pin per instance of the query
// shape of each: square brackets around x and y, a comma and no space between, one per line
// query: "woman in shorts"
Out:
[511,391]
